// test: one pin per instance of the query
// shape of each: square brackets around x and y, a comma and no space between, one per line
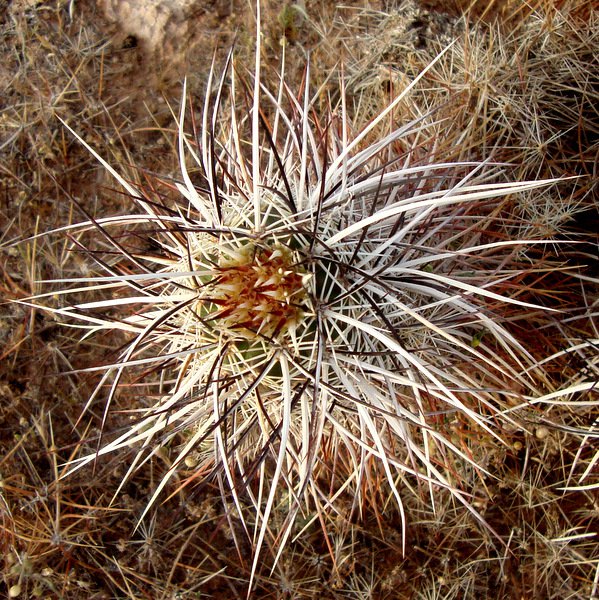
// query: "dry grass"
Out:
[524,92]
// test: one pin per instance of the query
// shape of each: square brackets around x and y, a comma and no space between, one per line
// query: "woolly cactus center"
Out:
[259,292]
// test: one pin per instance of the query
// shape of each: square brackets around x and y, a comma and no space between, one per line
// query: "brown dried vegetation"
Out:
[524,91]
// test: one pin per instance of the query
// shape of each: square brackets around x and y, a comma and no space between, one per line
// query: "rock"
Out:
[163,28]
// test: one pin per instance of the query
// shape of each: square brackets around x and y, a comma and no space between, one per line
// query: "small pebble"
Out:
[541,433]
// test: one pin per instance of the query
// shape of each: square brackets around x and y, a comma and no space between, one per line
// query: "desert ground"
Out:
[517,86]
